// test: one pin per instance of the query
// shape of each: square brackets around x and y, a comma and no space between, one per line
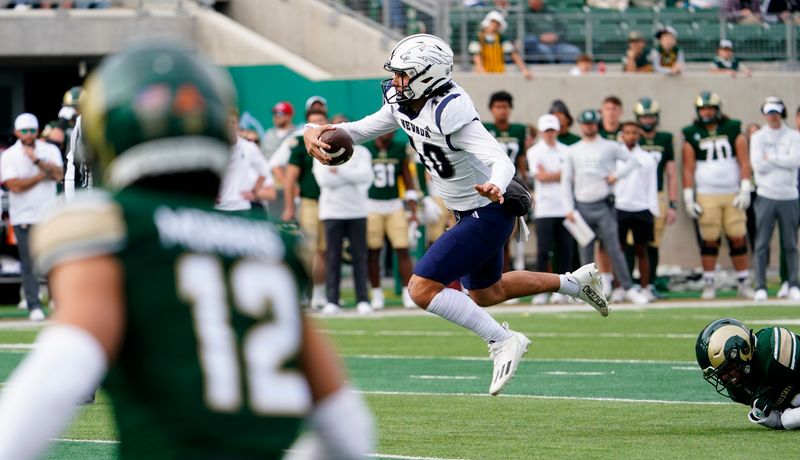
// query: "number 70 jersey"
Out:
[450,141]
[717,170]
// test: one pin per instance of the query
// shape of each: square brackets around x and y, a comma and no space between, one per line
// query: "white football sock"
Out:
[569,285]
[742,275]
[377,293]
[318,290]
[606,279]
[708,278]
[460,309]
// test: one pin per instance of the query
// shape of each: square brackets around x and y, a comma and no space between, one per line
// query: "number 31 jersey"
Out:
[209,361]
[717,171]
[451,143]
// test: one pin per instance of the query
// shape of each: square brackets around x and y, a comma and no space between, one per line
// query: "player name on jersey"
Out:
[408,126]
[228,235]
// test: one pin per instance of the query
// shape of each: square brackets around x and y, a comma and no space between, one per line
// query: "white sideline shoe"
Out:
[556,298]
[783,292]
[744,291]
[540,299]
[794,294]
[506,355]
[590,287]
[635,296]
[408,302]
[709,293]
[618,295]
[760,295]
[363,308]
[36,315]
[377,302]
[331,309]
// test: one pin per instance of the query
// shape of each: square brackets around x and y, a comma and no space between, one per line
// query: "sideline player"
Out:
[474,176]
[760,370]
[167,296]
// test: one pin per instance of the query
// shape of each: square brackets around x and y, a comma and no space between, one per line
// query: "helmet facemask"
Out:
[733,372]
[725,352]
[425,60]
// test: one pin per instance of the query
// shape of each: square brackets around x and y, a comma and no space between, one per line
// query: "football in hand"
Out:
[341,146]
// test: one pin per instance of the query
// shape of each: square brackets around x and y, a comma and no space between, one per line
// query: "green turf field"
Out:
[621,387]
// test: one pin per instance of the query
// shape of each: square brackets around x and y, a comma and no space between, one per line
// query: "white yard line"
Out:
[612,335]
[444,377]
[478,358]
[86,441]
[577,373]
[547,397]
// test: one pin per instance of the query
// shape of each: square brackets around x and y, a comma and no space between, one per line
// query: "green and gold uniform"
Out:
[568,138]
[387,165]
[615,136]
[512,140]
[661,146]
[716,171]
[208,366]
[774,377]
[300,158]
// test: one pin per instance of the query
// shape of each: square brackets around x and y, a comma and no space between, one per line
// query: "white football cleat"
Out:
[760,295]
[590,287]
[331,309]
[506,355]
[408,302]
[618,295]
[556,298]
[636,296]
[709,293]
[794,294]
[377,302]
[540,299]
[783,292]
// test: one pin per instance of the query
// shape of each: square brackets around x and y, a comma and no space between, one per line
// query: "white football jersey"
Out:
[451,143]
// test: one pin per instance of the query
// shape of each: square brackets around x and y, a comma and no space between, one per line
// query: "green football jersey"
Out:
[713,145]
[568,138]
[387,165]
[209,361]
[661,146]
[610,135]
[512,139]
[300,158]
[776,368]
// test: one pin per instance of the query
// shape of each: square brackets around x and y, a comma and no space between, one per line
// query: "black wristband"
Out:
[673,205]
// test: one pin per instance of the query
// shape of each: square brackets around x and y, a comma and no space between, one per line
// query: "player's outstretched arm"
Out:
[69,359]
[335,401]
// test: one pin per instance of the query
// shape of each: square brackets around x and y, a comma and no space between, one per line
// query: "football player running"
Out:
[191,314]
[716,188]
[474,176]
[760,370]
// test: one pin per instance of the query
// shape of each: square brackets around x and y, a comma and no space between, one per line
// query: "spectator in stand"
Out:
[544,42]
[490,48]
[778,10]
[667,57]
[343,213]
[561,111]
[30,170]
[583,66]
[742,11]
[637,203]
[545,160]
[282,127]
[637,58]
[726,62]
[775,155]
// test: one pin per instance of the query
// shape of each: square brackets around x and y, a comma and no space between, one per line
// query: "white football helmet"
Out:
[428,62]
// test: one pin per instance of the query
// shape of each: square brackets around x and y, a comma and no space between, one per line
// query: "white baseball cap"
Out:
[26,121]
[772,107]
[495,15]
[726,44]
[314,99]
[548,122]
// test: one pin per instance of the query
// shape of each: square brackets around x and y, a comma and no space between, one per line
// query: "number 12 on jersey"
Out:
[260,291]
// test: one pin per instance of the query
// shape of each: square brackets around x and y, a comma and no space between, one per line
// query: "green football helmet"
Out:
[708,99]
[157,109]
[72,96]
[646,107]
[724,352]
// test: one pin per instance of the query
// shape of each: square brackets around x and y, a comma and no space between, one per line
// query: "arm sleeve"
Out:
[371,126]
[474,138]
[64,368]
[792,159]
[8,169]
[533,161]
[760,166]
[629,162]
[258,162]
[284,151]
[652,181]
[566,184]
[655,58]
[324,176]
[53,155]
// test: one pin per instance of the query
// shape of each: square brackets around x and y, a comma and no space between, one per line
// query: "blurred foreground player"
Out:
[191,314]
[474,176]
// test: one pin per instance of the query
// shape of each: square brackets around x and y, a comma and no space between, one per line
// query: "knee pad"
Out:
[709,249]
[737,249]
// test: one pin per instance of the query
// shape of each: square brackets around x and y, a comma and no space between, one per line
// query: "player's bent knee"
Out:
[423,290]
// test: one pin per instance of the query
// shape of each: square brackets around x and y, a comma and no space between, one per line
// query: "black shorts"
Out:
[640,223]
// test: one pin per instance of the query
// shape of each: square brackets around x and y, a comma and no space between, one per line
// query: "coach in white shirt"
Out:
[775,156]
[343,212]
[30,170]
[248,171]
[545,160]
[637,202]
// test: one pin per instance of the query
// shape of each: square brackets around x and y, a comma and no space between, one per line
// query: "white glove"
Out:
[692,208]
[773,420]
[413,234]
[67,113]
[790,419]
[742,199]
[431,212]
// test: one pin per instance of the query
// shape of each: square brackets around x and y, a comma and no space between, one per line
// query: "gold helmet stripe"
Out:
[717,341]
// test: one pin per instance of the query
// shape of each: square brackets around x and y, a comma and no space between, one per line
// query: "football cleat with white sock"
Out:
[590,287]
[506,355]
